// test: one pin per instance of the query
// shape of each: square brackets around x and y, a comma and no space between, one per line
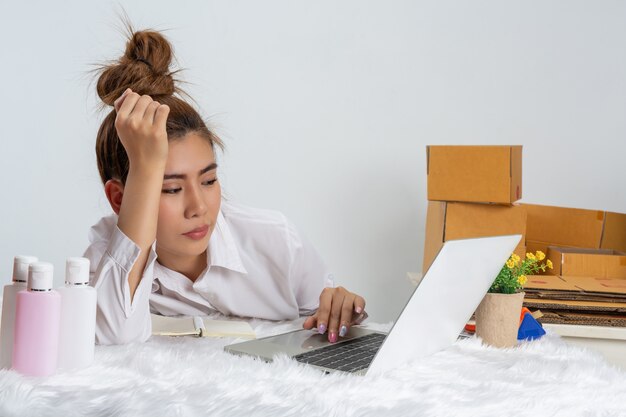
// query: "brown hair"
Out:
[145,68]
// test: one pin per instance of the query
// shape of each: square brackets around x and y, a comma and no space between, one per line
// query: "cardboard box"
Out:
[572,305]
[577,300]
[611,287]
[614,234]
[584,319]
[580,289]
[577,262]
[572,227]
[560,226]
[549,282]
[452,221]
[482,174]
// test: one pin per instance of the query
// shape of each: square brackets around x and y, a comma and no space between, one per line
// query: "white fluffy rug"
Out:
[194,377]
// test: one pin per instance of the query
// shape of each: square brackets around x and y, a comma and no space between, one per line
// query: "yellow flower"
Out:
[530,256]
[516,259]
[540,255]
[510,263]
[522,279]
[549,263]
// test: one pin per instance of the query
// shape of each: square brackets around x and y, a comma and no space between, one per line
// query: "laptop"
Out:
[432,319]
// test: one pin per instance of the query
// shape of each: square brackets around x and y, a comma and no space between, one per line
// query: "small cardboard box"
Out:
[560,226]
[577,262]
[482,174]
[452,221]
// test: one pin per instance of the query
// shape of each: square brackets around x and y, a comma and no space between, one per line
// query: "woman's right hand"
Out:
[141,127]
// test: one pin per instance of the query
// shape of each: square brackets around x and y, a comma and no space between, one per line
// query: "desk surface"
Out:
[608,341]
[190,376]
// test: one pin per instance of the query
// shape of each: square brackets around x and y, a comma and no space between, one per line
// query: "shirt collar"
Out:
[222,250]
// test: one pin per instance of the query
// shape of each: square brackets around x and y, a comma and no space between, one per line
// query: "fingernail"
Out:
[358,309]
[322,328]
[343,331]
[333,337]
[123,94]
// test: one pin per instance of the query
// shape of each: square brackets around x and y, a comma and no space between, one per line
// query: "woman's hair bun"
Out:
[144,68]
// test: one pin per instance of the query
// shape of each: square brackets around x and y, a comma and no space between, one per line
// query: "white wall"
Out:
[326,108]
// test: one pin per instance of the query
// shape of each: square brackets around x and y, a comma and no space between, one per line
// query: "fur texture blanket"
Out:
[190,376]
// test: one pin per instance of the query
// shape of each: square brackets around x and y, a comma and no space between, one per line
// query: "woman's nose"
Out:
[195,204]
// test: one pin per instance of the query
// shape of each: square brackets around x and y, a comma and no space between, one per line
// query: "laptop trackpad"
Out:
[302,341]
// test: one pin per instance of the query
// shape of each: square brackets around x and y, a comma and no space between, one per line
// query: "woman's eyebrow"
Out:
[210,167]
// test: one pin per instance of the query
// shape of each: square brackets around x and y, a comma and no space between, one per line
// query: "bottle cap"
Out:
[77,271]
[20,267]
[40,276]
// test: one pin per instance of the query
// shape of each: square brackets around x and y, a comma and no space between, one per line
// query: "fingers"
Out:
[160,116]
[347,309]
[117,103]
[338,310]
[309,323]
[335,314]
[127,104]
[323,312]
[359,304]
[132,106]
[140,107]
[148,116]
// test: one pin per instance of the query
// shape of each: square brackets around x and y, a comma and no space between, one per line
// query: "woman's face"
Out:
[190,199]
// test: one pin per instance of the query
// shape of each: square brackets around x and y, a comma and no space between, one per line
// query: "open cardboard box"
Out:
[578,262]
[451,221]
[482,174]
[583,289]
[573,227]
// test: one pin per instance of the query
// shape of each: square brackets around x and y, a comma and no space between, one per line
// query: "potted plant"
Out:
[498,315]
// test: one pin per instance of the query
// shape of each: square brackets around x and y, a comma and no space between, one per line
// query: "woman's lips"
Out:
[198,233]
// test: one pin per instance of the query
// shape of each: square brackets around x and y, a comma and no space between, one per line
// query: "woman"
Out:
[173,246]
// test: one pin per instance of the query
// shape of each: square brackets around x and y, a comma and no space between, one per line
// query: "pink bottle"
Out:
[37,319]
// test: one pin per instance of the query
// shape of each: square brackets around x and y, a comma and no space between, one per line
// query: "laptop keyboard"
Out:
[349,356]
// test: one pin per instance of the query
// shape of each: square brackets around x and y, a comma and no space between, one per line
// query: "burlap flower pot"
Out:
[497,319]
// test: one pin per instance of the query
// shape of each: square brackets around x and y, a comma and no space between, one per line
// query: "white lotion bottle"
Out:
[7,328]
[78,316]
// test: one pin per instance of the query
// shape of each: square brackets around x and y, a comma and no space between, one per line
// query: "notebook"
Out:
[431,320]
[200,326]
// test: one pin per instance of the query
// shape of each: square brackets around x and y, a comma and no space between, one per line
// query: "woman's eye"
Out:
[171,191]
[210,182]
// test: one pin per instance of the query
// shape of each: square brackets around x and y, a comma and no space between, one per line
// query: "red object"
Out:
[470,327]
[524,311]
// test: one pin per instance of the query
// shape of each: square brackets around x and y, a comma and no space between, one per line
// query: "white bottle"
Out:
[78,316]
[20,276]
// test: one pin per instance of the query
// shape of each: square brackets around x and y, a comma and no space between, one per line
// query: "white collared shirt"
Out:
[258,266]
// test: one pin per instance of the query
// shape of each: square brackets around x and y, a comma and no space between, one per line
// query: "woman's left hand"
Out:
[338,310]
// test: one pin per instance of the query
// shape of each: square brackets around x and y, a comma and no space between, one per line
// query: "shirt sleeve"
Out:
[308,273]
[118,320]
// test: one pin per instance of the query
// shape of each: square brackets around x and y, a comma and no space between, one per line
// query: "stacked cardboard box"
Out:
[588,251]
[472,192]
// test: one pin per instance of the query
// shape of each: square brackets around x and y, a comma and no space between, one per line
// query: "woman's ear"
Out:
[114,189]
